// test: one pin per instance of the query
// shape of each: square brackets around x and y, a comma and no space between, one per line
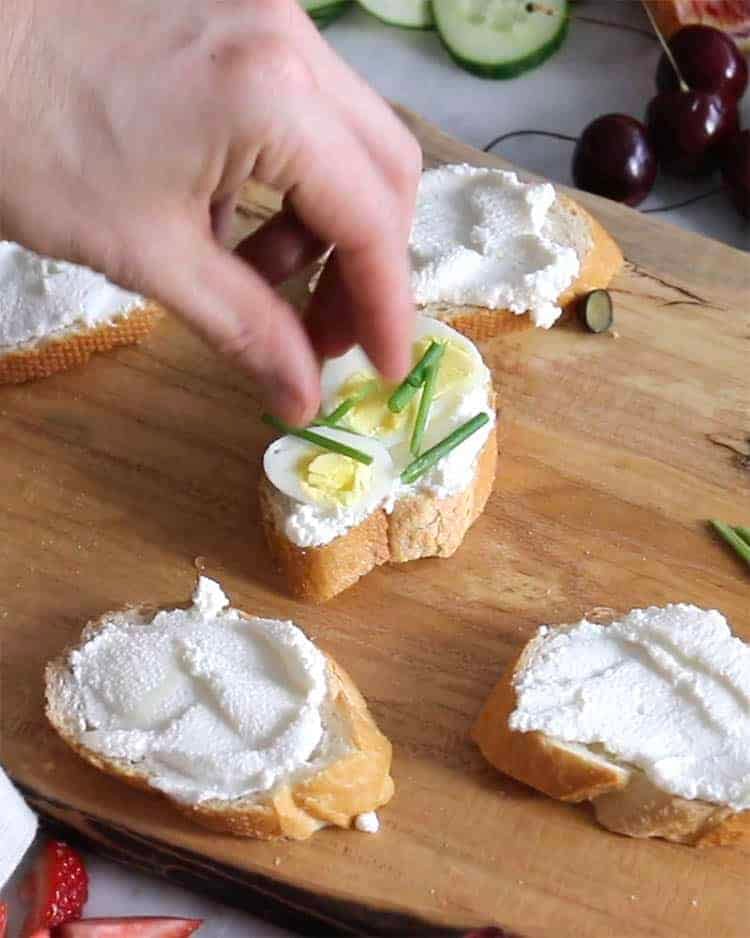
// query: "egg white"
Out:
[337,371]
[284,456]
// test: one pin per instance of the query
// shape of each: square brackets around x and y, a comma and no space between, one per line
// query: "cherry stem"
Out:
[667,51]
[684,203]
[625,26]
[534,7]
[528,133]
[569,139]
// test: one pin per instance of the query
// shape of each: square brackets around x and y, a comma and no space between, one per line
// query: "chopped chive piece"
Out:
[427,460]
[346,405]
[425,403]
[318,439]
[743,532]
[414,380]
[596,311]
[740,546]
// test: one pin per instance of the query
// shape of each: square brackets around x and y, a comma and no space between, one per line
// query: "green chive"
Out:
[318,439]
[740,546]
[425,402]
[346,405]
[427,460]
[414,380]
[743,532]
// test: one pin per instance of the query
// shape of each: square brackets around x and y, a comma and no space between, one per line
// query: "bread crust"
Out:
[600,265]
[534,758]
[427,526]
[319,573]
[357,782]
[50,356]
[625,800]
[419,526]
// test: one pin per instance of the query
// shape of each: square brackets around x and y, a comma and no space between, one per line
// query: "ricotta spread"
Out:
[368,823]
[41,297]
[210,702]
[481,237]
[664,689]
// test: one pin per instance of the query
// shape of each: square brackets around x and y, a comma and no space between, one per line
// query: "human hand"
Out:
[128,129]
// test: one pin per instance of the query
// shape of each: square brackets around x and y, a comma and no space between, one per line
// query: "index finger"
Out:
[340,195]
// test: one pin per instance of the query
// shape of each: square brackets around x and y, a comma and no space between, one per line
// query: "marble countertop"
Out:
[600,69]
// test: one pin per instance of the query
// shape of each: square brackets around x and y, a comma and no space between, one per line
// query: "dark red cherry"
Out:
[735,170]
[688,128]
[709,61]
[614,158]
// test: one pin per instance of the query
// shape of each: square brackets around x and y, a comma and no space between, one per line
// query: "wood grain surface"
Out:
[613,452]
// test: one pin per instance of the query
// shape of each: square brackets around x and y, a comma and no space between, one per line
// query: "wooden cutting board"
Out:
[614,451]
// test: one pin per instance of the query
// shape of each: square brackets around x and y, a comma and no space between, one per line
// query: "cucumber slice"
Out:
[501,38]
[322,20]
[413,14]
[324,12]
[319,6]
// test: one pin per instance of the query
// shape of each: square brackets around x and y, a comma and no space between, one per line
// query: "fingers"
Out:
[340,195]
[392,147]
[327,321]
[280,248]
[239,314]
[222,217]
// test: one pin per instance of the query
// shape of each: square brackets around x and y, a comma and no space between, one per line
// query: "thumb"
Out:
[236,311]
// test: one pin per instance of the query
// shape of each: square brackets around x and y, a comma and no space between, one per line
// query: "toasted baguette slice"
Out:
[71,349]
[625,800]
[353,783]
[598,267]
[420,526]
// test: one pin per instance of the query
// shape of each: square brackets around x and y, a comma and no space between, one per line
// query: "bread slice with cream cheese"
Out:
[423,525]
[241,722]
[325,533]
[54,315]
[472,229]
[646,718]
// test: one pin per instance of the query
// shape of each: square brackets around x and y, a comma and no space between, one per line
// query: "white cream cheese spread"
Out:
[481,237]
[210,702]
[666,690]
[368,823]
[313,525]
[43,298]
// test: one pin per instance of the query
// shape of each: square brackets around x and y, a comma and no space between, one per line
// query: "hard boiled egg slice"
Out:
[315,476]
[352,374]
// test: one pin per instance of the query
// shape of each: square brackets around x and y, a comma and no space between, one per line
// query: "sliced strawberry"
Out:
[57,889]
[3,919]
[145,927]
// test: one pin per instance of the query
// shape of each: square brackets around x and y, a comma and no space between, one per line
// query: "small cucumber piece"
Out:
[413,14]
[501,38]
[596,311]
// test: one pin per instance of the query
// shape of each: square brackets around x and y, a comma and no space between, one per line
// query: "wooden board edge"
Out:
[283,904]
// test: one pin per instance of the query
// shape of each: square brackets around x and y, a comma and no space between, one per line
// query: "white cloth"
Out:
[18,826]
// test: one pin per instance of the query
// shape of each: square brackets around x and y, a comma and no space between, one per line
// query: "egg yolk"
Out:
[456,365]
[371,416]
[333,478]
